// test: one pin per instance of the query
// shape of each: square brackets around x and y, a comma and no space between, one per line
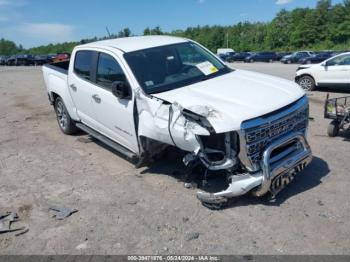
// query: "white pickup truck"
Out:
[140,95]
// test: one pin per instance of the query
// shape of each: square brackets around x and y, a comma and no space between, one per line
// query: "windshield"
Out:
[169,67]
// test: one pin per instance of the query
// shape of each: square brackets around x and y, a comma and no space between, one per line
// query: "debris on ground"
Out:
[85,140]
[62,212]
[25,230]
[192,236]
[6,221]
[82,246]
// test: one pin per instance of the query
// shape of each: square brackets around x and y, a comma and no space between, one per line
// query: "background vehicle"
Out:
[140,95]
[261,57]
[316,58]
[334,71]
[3,60]
[280,55]
[296,56]
[24,60]
[19,60]
[41,59]
[11,60]
[61,57]
[226,56]
[225,51]
[337,109]
[238,56]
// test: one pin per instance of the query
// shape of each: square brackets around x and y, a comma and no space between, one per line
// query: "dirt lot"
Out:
[148,211]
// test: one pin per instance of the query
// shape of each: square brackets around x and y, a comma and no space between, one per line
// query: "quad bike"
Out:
[337,109]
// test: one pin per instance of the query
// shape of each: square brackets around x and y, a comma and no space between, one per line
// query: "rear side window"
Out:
[108,71]
[83,64]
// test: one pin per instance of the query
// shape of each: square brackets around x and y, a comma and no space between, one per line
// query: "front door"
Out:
[336,71]
[115,116]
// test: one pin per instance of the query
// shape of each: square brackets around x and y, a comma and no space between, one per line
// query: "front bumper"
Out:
[293,155]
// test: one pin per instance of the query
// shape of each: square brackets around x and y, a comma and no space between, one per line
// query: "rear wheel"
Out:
[307,83]
[289,62]
[65,122]
[333,129]
[251,61]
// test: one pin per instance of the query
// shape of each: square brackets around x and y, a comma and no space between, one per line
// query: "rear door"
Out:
[337,71]
[115,116]
[81,87]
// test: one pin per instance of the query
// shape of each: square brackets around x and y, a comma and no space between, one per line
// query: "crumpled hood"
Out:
[228,100]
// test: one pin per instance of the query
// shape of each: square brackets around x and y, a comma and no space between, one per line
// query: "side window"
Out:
[83,63]
[108,71]
[340,60]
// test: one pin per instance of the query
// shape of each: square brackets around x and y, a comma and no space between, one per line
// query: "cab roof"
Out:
[130,44]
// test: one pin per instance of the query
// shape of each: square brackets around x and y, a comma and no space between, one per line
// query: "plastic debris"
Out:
[6,220]
[62,212]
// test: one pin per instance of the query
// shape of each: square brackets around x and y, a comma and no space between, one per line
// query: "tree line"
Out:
[324,27]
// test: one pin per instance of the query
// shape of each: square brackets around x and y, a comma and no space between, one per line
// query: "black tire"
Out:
[251,61]
[64,120]
[333,129]
[307,83]
[289,62]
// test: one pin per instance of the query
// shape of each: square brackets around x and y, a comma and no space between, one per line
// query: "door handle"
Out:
[96,98]
[73,86]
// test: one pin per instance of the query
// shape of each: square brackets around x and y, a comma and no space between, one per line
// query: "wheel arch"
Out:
[305,74]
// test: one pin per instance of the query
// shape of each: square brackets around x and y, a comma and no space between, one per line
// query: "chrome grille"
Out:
[260,133]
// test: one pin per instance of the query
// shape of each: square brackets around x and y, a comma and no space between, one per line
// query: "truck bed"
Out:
[59,66]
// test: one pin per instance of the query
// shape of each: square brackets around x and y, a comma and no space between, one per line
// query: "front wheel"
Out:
[65,122]
[333,129]
[307,83]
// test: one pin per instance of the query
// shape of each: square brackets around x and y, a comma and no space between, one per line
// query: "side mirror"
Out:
[327,64]
[121,89]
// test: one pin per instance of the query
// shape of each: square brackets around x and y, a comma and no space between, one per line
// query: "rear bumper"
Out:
[294,157]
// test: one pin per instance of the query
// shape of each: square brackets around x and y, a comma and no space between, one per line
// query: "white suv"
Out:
[332,72]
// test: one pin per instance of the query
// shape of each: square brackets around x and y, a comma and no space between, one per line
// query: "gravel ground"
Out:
[123,210]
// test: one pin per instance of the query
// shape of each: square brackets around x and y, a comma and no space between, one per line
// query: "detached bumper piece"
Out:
[281,161]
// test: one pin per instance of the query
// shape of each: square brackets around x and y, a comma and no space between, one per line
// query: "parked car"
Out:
[11,60]
[3,60]
[280,55]
[261,57]
[238,56]
[296,56]
[225,51]
[334,71]
[226,56]
[223,56]
[42,59]
[19,60]
[316,58]
[61,57]
[140,95]
[24,60]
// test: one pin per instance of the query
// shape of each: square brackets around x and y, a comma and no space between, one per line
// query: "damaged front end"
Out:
[262,157]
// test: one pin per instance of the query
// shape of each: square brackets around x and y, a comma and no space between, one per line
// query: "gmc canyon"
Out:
[140,95]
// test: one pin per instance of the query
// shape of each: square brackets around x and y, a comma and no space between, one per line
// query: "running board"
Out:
[114,145]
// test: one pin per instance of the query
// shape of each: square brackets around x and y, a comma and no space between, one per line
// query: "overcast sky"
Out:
[38,22]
